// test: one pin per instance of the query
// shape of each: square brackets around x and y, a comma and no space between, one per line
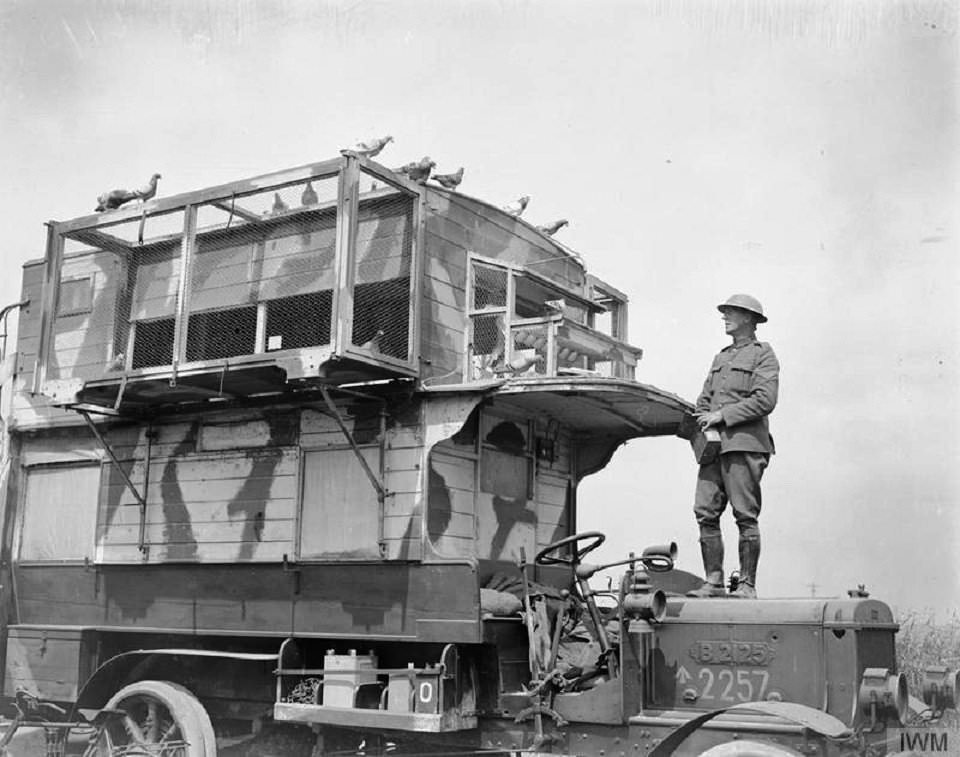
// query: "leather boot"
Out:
[711,548]
[749,556]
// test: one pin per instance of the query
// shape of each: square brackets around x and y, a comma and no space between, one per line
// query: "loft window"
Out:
[75,296]
[59,512]
[152,343]
[222,333]
[302,320]
[340,513]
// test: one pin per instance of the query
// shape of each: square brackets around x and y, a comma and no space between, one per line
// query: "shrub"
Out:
[922,642]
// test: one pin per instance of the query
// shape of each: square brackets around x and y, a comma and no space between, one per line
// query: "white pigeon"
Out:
[117,364]
[373,344]
[516,208]
[552,228]
[371,148]
[449,180]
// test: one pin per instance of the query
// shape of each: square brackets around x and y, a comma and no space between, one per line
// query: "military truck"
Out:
[291,467]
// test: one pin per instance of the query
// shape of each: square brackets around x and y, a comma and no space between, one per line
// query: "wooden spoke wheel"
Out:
[161,719]
[746,748]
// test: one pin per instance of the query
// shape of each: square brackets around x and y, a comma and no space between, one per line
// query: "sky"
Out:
[805,152]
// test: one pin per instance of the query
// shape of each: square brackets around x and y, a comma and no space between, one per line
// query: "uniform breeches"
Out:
[733,477]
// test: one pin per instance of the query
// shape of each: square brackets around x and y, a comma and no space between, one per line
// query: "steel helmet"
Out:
[745,302]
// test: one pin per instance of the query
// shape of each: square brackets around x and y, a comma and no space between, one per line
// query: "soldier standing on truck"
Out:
[738,395]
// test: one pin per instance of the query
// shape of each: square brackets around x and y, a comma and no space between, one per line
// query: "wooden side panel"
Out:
[552,509]
[205,502]
[523,498]
[58,595]
[443,320]
[226,506]
[28,409]
[83,330]
[432,603]
[491,233]
[43,661]
[451,509]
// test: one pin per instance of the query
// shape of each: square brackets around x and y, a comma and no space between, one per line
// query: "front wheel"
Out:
[746,748]
[161,718]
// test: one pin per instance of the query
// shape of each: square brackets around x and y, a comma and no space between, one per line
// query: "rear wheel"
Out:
[161,718]
[742,748]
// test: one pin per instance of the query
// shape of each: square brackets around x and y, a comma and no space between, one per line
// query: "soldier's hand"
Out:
[709,420]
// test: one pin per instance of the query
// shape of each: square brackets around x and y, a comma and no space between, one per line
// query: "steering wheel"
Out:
[546,555]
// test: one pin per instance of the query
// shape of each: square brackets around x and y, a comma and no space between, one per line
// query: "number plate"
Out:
[725,685]
[731,652]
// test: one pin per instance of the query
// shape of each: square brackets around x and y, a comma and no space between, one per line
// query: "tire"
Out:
[160,712]
[743,748]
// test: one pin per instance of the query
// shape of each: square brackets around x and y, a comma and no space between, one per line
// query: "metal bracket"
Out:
[375,482]
[142,545]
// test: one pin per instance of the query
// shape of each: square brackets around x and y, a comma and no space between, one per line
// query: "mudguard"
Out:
[815,720]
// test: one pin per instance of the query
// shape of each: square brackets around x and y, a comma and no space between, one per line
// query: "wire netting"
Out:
[489,285]
[487,344]
[529,349]
[113,279]
[262,274]
[382,272]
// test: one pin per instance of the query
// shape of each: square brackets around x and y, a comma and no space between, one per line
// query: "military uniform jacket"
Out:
[743,384]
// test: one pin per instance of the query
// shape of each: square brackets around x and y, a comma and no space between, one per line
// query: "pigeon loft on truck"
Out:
[328,274]
[257,425]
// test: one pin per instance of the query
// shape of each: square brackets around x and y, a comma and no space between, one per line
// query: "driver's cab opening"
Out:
[502,492]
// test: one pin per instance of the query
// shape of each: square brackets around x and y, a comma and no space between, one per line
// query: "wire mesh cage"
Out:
[487,345]
[262,274]
[529,351]
[115,282]
[383,284]
[489,286]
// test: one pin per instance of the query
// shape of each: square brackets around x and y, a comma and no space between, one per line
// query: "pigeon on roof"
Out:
[552,228]
[418,171]
[517,208]
[372,147]
[148,190]
[116,197]
[278,204]
[449,180]
[309,196]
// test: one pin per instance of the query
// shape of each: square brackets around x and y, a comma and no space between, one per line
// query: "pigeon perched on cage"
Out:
[418,171]
[117,364]
[449,180]
[149,190]
[371,148]
[557,306]
[278,204]
[520,363]
[517,208]
[552,228]
[373,344]
[115,198]
[309,196]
